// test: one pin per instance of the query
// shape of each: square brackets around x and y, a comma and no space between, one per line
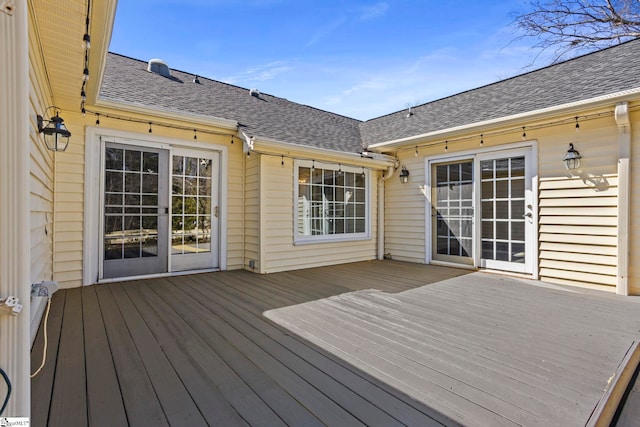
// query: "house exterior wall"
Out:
[634,233]
[279,253]
[577,214]
[41,171]
[70,187]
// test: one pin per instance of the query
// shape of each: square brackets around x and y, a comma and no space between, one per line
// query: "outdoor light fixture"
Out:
[572,158]
[56,134]
[404,175]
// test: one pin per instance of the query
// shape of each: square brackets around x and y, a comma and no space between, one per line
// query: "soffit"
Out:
[59,26]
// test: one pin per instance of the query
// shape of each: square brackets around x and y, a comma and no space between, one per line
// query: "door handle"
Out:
[527,215]
[215,212]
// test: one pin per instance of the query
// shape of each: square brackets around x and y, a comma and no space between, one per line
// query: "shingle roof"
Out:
[600,73]
[127,80]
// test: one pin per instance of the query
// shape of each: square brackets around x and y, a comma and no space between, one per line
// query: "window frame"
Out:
[301,239]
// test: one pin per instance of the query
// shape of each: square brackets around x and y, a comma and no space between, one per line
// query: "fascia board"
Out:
[102,19]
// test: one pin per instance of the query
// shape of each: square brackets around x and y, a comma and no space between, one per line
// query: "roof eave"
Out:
[168,114]
[102,20]
[269,146]
[626,95]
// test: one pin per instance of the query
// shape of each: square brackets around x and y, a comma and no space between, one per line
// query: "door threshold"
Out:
[156,276]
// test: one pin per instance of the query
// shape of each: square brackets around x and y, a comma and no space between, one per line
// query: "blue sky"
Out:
[362,59]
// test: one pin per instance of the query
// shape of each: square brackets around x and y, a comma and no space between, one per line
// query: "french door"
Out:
[159,210]
[453,212]
[135,211]
[482,211]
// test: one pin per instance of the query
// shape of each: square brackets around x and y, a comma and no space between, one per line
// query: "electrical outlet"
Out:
[10,306]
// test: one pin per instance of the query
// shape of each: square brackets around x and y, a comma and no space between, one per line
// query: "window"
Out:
[332,202]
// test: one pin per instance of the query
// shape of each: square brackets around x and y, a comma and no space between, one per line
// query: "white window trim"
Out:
[91,242]
[299,239]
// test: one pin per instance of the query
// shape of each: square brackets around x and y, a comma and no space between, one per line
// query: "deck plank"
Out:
[376,343]
[176,402]
[280,369]
[42,384]
[398,406]
[210,401]
[69,399]
[140,399]
[104,403]
[250,407]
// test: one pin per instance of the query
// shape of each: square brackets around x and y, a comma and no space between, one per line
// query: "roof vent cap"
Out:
[254,92]
[158,66]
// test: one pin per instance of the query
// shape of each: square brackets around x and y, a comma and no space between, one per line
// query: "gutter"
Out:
[381,182]
[600,101]
[274,147]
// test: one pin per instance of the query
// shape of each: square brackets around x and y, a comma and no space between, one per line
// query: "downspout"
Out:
[624,194]
[384,177]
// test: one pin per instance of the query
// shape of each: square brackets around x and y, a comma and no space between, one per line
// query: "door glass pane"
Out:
[191,205]
[454,209]
[503,207]
[131,181]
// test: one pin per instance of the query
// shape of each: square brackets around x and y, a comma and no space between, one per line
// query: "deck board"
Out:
[42,383]
[371,343]
[69,398]
[104,403]
[140,399]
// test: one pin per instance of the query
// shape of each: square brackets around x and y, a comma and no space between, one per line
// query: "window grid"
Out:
[191,205]
[331,202]
[454,206]
[130,204]
[503,209]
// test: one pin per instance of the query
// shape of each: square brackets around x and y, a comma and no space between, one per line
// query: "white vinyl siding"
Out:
[404,206]
[252,212]
[578,231]
[41,186]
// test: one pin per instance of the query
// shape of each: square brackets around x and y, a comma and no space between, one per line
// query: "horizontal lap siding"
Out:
[578,231]
[69,206]
[41,170]
[252,212]
[405,213]
[276,209]
[235,206]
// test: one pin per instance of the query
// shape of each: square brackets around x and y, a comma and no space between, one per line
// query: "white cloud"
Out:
[326,30]
[259,73]
[373,11]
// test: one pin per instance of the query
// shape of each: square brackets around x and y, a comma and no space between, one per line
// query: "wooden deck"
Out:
[357,344]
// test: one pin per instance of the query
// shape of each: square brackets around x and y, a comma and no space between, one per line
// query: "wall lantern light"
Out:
[404,175]
[572,158]
[56,134]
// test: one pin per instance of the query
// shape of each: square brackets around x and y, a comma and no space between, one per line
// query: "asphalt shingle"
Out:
[597,74]
[600,73]
[127,80]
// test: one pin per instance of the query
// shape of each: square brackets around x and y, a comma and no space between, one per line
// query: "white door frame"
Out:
[94,148]
[477,155]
